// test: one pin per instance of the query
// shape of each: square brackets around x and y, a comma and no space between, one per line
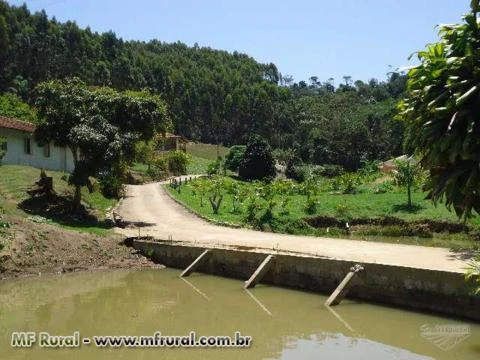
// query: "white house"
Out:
[22,149]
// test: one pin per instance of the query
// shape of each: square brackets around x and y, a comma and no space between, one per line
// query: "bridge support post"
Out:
[339,293]
[191,268]
[260,272]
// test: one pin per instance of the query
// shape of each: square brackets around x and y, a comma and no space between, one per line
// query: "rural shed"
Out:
[168,141]
[21,148]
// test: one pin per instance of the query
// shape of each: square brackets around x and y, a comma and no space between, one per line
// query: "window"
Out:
[26,146]
[46,150]
[3,144]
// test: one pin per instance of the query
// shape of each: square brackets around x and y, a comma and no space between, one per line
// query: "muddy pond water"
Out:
[283,323]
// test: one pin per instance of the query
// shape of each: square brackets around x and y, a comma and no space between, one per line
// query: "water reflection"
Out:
[284,324]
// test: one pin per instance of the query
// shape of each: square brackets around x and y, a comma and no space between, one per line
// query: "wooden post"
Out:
[342,289]
[259,273]
[191,268]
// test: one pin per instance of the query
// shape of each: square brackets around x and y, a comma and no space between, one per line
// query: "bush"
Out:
[177,162]
[257,162]
[330,170]
[311,205]
[295,169]
[214,167]
[159,169]
[347,183]
[111,184]
[384,187]
[234,157]
[282,155]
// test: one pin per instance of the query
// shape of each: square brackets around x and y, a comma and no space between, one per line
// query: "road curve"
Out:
[157,215]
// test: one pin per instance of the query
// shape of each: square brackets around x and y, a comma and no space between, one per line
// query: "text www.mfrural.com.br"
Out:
[46,340]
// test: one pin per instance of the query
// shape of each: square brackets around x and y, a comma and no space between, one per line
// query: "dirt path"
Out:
[157,215]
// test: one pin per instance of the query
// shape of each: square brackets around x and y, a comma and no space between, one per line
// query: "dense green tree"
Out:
[100,126]
[442,110]
[211,96]
[234,157]
[12,106]
[257,162]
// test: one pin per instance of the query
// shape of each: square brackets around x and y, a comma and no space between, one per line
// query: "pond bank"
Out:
[443,292]
[28,248]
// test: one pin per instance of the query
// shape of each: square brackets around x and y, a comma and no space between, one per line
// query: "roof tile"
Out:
[16,124]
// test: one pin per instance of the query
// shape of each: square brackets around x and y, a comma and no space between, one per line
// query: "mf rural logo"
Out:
[445,336]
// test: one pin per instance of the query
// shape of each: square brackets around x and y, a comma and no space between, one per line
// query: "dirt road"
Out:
[157,215]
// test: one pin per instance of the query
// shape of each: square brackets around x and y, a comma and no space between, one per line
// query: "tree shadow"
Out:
[59,210]
[134,224]
[412,209]
[463,254]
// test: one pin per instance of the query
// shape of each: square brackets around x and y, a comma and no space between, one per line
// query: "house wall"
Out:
[60,159]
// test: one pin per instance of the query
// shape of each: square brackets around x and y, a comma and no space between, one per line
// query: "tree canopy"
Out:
[257,162]
[99,125]
[442,113]
[211,96]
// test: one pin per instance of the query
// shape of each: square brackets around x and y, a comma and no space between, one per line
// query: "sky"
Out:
[325,38]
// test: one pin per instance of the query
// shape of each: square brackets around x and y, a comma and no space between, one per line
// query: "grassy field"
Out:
[201,155]
[206,151]
[344,207]
[15,180]
[197,165]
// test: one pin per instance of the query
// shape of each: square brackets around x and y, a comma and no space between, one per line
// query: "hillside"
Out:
[213,96]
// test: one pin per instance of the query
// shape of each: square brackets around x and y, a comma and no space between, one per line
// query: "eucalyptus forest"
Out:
[212,96]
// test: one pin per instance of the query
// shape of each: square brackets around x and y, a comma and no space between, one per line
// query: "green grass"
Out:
[201,156]
[15,180]
[139,167]
[206,151]
[364,205]
[197,165]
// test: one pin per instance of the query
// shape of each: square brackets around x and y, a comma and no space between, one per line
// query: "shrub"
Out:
[214,167]
[216,189]
[331,170]
[284,210]
[282,155]
[295,169]
[369,170]
[252,207]
[257,162]
[384,187]
[311,205]
[177,162]
[342,211]
[111,184]
[234,157]
[473,273]
[347,183]
[159,169]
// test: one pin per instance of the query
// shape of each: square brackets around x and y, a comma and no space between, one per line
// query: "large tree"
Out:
[442,113]
[257,162]
[100,126]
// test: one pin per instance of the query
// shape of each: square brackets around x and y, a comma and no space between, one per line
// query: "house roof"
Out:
[16,124]
[173,136]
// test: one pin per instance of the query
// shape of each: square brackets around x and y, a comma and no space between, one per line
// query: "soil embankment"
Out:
[28,248]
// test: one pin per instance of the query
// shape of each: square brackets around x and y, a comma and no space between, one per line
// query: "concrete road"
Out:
[157,215]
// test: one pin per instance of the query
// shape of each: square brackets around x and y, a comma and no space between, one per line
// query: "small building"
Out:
[21,148]
[168,142]
[390,166]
